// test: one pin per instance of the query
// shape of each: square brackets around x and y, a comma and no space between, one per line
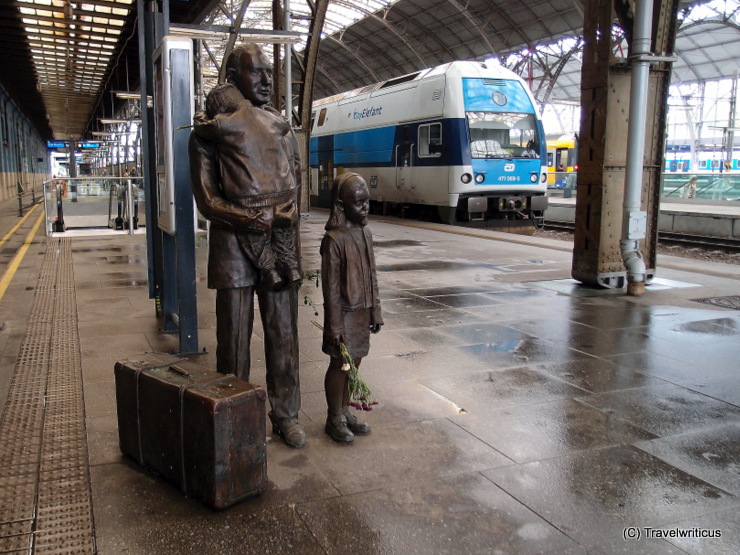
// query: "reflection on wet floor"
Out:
[515,415]
[458,264]
[395,243]
[125,259]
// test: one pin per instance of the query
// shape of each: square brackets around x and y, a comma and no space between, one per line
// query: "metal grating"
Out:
[45,503]
[732,301]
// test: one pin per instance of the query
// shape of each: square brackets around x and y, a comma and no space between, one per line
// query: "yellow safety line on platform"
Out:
[16,226]
[10,272]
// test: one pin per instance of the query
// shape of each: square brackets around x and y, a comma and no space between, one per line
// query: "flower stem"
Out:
[359,391]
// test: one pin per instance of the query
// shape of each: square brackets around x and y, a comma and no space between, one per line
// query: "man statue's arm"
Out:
[204,179]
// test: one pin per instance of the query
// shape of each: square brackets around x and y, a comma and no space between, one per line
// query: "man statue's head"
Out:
[250,71]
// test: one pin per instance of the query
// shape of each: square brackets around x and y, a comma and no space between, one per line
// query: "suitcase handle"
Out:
[178,370]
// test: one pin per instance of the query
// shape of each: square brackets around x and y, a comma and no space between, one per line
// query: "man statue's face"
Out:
[255,78]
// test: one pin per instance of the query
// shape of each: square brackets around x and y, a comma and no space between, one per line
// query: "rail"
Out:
[127,205]
[689,240]
[58,225]
[694,187]
[707,186]
[22,194]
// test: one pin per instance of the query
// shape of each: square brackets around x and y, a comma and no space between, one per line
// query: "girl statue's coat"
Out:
[350,285]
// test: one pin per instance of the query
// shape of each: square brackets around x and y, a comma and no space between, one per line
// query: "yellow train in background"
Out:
[562,160]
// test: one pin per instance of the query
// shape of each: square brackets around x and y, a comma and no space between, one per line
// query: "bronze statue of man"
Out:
[245,174]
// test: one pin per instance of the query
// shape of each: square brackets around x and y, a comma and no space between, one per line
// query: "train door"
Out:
[404,163]
[551,167]
[326,176]
[561,159]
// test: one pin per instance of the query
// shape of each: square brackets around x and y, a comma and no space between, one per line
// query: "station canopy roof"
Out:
[64,59]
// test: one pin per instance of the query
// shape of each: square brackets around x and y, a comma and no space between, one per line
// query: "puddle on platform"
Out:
[444,265]
[124,259]
[398,243]
[706,328]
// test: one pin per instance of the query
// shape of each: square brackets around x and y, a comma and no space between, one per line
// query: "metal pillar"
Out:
[150,33]
[311,54]
[288,65]
[602,154]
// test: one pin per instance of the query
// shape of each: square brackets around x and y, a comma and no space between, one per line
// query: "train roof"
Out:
[460,68]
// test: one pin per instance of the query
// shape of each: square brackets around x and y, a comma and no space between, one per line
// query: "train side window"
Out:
[322,117]
[430,140]
[550,161]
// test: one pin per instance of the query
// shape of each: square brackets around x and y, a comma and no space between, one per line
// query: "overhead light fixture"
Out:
[111,121]
[246,35]
[101,133]
[126,95]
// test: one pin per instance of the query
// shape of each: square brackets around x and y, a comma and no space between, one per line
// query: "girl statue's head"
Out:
[350,201]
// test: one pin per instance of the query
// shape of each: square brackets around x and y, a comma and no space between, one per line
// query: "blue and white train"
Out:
[464,138]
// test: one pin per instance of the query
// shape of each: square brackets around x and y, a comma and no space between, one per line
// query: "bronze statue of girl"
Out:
[351,303]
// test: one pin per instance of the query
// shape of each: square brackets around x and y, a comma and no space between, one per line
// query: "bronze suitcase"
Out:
[200,430]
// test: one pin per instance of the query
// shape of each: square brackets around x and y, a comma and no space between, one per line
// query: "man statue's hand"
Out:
[286,215]
[257,221]
[375,328]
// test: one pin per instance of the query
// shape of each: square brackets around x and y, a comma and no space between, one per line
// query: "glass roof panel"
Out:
[72,44]
[340,15]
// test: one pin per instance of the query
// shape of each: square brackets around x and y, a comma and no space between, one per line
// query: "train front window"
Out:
[503,135]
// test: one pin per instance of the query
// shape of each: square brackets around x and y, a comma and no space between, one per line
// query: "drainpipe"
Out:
[288,68]
[634,221]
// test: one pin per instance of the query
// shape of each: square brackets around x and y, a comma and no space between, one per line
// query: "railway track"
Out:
[687,240]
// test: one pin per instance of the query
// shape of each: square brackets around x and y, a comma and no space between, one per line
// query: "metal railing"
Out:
[694,187]
[89,203]
[701,186]
[127,206]
[23,196]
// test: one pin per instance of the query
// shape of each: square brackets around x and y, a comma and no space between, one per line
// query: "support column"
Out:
[602,154]
[305,99]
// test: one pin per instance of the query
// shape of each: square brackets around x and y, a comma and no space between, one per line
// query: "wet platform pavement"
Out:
[519,413]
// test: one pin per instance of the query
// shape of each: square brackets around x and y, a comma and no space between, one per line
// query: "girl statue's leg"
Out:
[335,387]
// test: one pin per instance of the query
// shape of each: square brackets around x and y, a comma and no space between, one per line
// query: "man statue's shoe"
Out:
[290,431]
[336,427]
[356,426]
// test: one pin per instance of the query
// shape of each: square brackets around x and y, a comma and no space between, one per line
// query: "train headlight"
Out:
[480,178]
[534,177]
[543,178]
[466,178]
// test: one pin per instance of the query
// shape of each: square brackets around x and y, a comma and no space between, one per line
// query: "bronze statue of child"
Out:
[269,243]
[351,303]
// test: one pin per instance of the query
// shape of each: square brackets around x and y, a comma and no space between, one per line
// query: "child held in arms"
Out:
[351,303]
[274,214]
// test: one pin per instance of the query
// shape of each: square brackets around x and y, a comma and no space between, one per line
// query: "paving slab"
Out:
[594,496]
[516,414]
